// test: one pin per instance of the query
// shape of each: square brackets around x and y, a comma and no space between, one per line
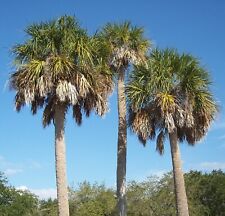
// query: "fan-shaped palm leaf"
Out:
[172,93]
[60,66]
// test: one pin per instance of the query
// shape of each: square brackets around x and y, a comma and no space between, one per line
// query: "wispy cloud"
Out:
[22,187]
[11,172]
[12,168]
[212,165]
[143,176]
[44,193]
[158,173]
[205,166]
[9,168]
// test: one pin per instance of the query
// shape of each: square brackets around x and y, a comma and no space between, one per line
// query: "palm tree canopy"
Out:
[126,44]
[60,63]
[170,92]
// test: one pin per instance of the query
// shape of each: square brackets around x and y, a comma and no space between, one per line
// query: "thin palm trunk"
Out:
[179,185]
[122,146]
[60,157]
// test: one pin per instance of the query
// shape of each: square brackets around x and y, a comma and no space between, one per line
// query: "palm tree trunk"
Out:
[60,157]
[122,147]
[179,185]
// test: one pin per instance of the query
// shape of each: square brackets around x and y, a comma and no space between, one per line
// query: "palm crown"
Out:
[171,92]
[126,44]
[60,64]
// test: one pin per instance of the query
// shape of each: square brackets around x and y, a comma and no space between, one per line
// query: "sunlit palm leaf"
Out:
[175,90]
[60,63]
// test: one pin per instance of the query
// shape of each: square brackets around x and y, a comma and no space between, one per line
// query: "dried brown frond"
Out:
[77,114]
[160,142]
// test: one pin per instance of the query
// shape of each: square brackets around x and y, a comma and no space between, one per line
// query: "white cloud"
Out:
[158,173]
[205,166]
[212,165]
[10,168]
[155,172]
[11,172]
[143,176]
[22,187]
[44,193]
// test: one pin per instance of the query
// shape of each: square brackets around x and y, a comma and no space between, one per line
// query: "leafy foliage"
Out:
[124,44]
[170,92]
[151,197]
[48,207]
[60,64]
[92,200]
[15,202]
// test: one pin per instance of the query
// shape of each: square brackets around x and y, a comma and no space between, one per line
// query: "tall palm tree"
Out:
[170,96]
[127,46]
[58,67]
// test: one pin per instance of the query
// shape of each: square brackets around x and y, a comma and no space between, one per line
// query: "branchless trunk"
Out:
[122,147]
[60,157]
[179,185]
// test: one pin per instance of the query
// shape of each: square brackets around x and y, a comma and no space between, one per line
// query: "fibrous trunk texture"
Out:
[122,147]
[60,163]
[179,185]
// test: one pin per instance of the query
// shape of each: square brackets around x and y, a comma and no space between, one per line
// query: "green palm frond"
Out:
[127,44]
[60,67]
[60,63]
[175,89]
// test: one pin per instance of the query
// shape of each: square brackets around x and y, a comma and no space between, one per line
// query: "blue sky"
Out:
[27,150]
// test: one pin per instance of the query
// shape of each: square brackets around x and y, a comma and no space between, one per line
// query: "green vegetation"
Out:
[60,66]
[151,197]
[16,202]
[170,97]
[126,47]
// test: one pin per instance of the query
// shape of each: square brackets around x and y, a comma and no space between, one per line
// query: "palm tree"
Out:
[170,96]
[127,46]
[58,67]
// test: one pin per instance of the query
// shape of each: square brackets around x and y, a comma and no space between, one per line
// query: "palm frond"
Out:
[77,114]
[60,63]
[160,142]
[175,89]
[127,43]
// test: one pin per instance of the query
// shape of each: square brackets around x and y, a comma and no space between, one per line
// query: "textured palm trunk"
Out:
[60,157]
[122,147]
[179,185]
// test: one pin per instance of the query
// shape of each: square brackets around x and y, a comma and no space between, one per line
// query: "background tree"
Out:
[206,192]
[58,67]
[92,200]
[151,197]
[48,207]
[16,202]
[126,46]
[171,96]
